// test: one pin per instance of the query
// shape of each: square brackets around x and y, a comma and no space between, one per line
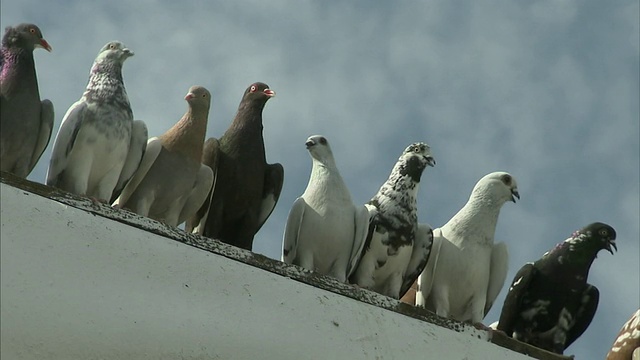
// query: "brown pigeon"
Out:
[26,120]
[171,183]
[627,343]
[245,188]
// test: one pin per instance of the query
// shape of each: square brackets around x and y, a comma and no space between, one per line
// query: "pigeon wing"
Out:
[210,158]
[419,256]
[425,280]
[153,148]
[137,149]
[513,302]
[273,179]
[65,140]
[292,230]
[360,237]
[585,314]
[497,273]
[44,135]
[199,193]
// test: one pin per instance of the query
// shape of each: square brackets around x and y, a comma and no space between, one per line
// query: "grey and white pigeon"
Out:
[99,146]
[550,304]
[325,231]
[396,249]
[467,270]
[26,121]
[246,188]
[171,183]
[627,344]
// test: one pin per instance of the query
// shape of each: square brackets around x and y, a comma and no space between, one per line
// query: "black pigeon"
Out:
[245,188]
[550,304]
[26,121]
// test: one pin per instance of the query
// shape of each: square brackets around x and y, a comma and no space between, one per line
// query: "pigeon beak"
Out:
[514,194]
[189,96]
[609,244]
[45,45]
[269,92]
[431,161]
[309,143]
[127,52]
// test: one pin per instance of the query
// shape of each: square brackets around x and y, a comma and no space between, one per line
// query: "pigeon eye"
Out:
[416,149]
[253,88]
[32,30]
[603,232]
[112,46]
[204,95]
[323,141]
[506,179]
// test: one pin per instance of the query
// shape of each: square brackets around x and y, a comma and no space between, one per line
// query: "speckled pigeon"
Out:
[627,343]
[325,231]
[246,188]
[26,121]
[99,146]
[466,270]
[396,249]
[550,304]
[171,183]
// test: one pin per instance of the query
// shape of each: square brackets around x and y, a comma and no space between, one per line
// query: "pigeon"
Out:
[396,248]
[325,231]
[627,344]
[246,188]
[26,121]
[466,270]
[99,146]
[550,304]
[171,183]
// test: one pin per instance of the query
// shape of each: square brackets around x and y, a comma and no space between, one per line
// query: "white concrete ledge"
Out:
[80,281]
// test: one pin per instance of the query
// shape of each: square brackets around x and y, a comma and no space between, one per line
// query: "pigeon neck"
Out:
[477,218]
[327,180]
[573,256]
[399,192]
[187,135]
[18,69]
[106,84]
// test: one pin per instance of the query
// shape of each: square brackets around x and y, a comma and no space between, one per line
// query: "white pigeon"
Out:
[466,270]
[396,249]
[171,183]
[325,231]
[99,146]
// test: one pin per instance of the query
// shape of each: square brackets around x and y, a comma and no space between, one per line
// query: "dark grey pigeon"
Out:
[245,188]
[99,146]
[550,304]
[26,121]
[397,248]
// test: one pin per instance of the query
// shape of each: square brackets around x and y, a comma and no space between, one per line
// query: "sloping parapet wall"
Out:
[84,281]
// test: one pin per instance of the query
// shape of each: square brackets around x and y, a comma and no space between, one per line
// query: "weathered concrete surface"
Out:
[77,284]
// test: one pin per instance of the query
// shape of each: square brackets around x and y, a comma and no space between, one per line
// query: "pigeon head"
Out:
[198,97]
[593,238]
[114,51]
[24,36]
[498,186]
[318,147]
[258,92]
[415,158]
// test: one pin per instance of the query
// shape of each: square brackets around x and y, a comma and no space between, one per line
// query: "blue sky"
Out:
[546,90]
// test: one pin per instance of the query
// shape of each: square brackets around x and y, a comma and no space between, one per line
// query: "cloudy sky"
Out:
[546,90]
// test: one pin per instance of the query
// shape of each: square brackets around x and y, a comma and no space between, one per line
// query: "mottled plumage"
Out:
[466,270]
[26,121]
[396,249]
[550,304]
[171,183]
[99,146]
[627,343]
[246,188]
[325,231]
